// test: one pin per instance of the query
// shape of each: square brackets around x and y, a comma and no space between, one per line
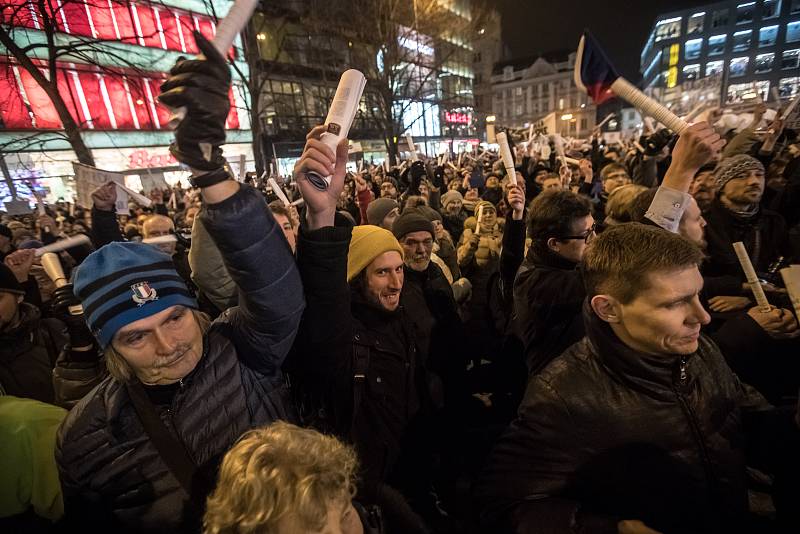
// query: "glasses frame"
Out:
[586,237]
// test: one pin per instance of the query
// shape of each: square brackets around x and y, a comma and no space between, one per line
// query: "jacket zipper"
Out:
[683,376]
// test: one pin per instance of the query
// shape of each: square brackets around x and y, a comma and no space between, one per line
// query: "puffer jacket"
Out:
[605,433]
[111,473]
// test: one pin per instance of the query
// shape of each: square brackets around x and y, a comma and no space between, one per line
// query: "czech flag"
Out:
[594,73]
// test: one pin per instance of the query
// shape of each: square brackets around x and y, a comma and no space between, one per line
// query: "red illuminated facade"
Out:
[97,98]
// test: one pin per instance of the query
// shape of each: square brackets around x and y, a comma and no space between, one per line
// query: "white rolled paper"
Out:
[571,161]
[508,159]
[298,202]
[790,108]
[608,118]
[52,266]
[141,199]
[412,147]
[160,240]
[791,279]
[63,244]
[340,117]
[278,192]
[752,278]
[479,218]
[647,105]
[227,30]
[460,159]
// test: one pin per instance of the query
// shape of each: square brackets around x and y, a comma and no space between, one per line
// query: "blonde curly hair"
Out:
[279,470]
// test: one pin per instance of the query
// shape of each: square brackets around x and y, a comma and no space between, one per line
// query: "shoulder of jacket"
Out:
[89,416]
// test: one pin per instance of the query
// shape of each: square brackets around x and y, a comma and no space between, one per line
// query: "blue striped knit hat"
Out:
[124,282]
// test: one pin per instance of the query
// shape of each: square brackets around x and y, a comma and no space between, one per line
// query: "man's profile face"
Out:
[703,189]
[575,249]
[551,182]
[665,318]
[745,190]
[692,225]
[288,230]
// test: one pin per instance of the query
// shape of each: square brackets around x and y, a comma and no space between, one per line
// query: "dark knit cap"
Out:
[412,221]
[378,209]
[124,282]
[8,282]
[429,213]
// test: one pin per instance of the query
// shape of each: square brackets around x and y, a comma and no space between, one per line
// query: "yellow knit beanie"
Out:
[368,242]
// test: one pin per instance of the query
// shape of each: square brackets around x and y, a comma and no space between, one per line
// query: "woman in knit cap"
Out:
[478,258]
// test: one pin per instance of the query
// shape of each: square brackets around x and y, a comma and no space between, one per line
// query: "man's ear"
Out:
[552,244]
[606,307]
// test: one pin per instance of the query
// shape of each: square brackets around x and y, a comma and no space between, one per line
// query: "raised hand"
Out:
[20,263]
[319,158]
[105,196]
[516,199]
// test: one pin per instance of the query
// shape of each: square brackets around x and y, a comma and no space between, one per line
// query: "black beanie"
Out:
[8,282]
[412,221]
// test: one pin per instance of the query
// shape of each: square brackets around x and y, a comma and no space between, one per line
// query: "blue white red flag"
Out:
[594,73]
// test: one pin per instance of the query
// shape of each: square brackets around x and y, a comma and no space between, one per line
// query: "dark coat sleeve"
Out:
[258,258]
[105,228]
[511,257]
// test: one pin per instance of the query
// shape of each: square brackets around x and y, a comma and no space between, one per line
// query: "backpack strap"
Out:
[360,367]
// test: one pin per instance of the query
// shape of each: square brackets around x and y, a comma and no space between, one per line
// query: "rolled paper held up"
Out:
[608,118]
[64,244]
[141,199]
[412,147]
[571,161]
[478,219]
[160,240]
[791,279]
[752,278]
[340,117]
[790,108]
[278,192]
[508,159]
[647,105]
[227,30]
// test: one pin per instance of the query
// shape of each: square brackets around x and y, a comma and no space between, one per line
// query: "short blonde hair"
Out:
[276,471]
[121,370]
[620,201]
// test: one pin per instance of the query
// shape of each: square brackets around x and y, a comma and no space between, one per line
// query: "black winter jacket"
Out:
[548,294]
[605,433]
[112,476]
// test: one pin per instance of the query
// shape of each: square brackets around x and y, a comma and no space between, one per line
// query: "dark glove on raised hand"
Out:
[655,143]
[202,86]
[79,333]
[64,298]
[438,177]
[416,173]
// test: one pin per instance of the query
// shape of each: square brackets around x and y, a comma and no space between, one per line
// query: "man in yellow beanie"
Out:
[358,369]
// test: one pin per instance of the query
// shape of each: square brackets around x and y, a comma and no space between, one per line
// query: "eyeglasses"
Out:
[586,236]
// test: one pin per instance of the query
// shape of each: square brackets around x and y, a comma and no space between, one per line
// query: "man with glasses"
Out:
[548,291]
[613,175]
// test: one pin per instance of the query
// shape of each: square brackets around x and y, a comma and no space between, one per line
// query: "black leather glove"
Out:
[63,298]
[416,173]
[438,177]
[79,333]
[202,86]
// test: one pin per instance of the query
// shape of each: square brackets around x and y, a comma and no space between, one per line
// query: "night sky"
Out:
[532,27]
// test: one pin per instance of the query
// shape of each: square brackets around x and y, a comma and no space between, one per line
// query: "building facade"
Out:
[110,89]
[488,51]
[732,50]
[527,91]
[299,67]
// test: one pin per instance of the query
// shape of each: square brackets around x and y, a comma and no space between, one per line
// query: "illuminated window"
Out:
[790,59]
[771,9]
[738,66]
[691,72]
[716,45]
[668,29]
[695,23]
[672,77]
[767,35]
[788,87]
[742,40]
[674,54]
[719,18]
[744,12]
[793,32]
[764,62]
[692,48]
[714,67]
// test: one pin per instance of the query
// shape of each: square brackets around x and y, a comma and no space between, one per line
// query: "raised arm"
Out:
[236,217]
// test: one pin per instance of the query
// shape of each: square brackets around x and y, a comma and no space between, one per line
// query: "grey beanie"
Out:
[451,196]
[378,209]
[738,166]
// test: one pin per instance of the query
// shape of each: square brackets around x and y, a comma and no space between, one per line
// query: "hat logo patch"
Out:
[143,293]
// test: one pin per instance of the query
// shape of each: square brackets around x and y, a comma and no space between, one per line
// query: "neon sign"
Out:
[456,118]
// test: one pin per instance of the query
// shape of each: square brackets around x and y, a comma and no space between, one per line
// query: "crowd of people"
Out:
[422,347]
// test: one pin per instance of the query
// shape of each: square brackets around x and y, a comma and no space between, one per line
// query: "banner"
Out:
[87,179]
[152,181]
